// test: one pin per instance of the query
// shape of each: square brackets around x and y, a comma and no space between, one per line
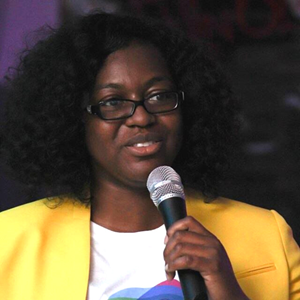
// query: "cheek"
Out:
[94,137]
[176,133]
[102,137]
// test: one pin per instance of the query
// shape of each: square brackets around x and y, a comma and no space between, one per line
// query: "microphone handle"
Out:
[192,283]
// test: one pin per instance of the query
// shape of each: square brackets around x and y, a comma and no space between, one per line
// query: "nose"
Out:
[140,118]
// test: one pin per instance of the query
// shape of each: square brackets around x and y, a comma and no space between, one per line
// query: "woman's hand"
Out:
[190,246]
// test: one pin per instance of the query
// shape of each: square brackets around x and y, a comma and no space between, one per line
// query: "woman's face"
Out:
[126,151]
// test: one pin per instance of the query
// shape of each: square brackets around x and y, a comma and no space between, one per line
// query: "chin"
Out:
[142,172]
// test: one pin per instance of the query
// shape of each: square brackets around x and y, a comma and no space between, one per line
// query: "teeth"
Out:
[146,144]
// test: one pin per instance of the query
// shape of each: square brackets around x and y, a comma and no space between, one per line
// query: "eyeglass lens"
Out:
[121,108]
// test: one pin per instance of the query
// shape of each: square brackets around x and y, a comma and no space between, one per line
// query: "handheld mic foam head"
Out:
[164,183]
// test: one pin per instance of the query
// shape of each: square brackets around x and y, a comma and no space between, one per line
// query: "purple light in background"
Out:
[19,18]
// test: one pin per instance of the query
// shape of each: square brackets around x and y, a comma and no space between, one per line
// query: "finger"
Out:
[188,224]
[190,253]
[187,262]
[204,265]
[169,274]
[166,239]
[206,260]
[182,239]
[188,249]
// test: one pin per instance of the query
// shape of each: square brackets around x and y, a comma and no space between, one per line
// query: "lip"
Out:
[152,144]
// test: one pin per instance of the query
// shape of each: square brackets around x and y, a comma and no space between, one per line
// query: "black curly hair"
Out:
[43,136]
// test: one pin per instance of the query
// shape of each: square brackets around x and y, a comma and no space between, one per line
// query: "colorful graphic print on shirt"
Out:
[167,290]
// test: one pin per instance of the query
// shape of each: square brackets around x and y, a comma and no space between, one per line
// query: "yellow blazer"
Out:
[45,251]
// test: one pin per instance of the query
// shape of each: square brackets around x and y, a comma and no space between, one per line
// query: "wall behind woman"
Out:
[18,20]
[258,42]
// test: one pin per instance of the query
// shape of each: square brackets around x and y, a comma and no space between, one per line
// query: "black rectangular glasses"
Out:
[116,109]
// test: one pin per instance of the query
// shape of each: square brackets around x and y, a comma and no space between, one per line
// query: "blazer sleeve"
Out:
[292,253]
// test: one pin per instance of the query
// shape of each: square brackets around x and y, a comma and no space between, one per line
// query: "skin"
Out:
[120,167]
[189,245]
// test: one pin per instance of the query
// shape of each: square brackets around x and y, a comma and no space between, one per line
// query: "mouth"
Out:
[143,145]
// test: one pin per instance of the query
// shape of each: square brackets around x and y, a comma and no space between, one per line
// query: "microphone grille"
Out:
[164,183]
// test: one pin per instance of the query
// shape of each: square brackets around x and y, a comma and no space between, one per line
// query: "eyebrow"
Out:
[148,83]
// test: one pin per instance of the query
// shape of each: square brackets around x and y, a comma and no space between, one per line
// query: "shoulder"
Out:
[258,241]
[234,219]
[40,214]
[40,242]
[228,208]
[43,223]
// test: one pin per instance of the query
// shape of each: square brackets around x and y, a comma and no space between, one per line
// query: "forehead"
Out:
[137,60]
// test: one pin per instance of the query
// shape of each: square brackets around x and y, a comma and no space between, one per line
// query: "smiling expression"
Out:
[126,151]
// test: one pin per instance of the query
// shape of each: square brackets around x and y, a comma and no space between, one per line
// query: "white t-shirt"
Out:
[129,265]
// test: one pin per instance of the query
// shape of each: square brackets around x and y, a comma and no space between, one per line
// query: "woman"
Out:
[93,110]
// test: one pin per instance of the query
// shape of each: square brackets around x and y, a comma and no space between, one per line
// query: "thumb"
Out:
[169,274]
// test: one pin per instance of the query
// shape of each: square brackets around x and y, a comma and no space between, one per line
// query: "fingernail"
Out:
[166,239]
[169,278]
[168,275]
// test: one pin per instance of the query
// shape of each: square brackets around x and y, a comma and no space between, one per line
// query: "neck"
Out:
[124,209]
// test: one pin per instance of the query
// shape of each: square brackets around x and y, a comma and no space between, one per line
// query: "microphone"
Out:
[167,193]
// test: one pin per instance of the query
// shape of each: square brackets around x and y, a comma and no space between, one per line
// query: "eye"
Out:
[162,97]
[157,97]
[111,103]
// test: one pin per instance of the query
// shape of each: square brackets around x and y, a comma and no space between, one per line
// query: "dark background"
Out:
[258,42]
